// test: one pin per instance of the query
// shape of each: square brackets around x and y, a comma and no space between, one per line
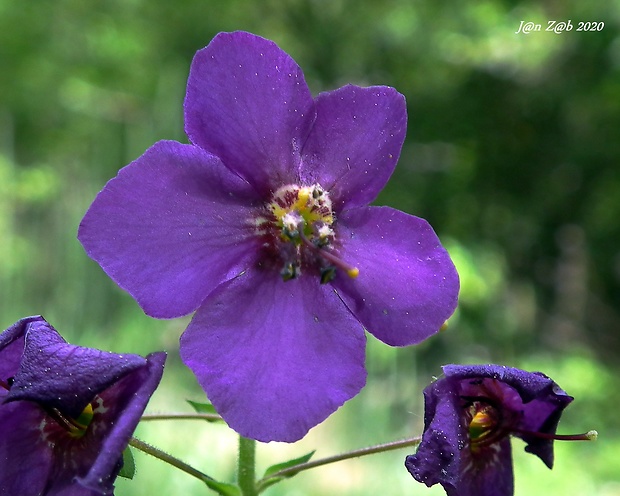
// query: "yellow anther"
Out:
[353,272]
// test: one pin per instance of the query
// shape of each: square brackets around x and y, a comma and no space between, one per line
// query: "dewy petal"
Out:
[128,399]
[248,103]
[436,460]
[540,399]
[275,358]
[355,143]
[444,454]
[170,227]
[407,285]
[64,376]
[54,381]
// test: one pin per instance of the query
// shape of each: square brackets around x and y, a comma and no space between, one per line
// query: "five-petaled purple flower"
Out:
[66,412]
[469,417]
[262,226]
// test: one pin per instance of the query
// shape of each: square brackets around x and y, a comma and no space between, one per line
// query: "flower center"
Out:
[77,427]
[485,425]
[298,226]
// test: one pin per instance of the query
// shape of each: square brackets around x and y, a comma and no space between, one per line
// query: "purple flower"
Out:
[66,412]
[262,226]
[469,417]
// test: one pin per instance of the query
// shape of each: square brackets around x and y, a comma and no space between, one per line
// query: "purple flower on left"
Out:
[262,226]
[66,412]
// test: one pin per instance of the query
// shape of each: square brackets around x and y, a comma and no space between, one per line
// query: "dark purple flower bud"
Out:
[469,416]
[262,226]
[66,412]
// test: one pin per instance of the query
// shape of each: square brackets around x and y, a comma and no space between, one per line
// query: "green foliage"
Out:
[207,408]
[274,469]
[223,488]
[129,465]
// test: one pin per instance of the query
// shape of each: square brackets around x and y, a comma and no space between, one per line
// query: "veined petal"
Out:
[407,285]
[64,376]
[275,358]
[248,103]
[170,227]
[355,143]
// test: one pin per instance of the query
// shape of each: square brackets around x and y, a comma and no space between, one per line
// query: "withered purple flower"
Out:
[469,416]
[66,412]
[262,226]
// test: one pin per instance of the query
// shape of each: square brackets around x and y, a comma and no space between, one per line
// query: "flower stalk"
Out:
[246,467]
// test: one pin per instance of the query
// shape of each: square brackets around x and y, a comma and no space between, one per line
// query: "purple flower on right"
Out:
[470,414]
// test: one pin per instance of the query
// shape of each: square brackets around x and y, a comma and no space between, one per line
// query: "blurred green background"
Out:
[512,154]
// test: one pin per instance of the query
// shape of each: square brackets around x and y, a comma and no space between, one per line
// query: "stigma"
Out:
[297,226]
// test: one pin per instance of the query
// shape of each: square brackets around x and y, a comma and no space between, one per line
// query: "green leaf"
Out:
[264,484]
[291,463]
[129,466]
[207,408]
[223,488]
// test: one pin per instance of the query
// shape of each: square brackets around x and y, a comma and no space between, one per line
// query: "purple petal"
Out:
[63,376]
[25,460]
[127,399]
[170,227]
[12,342]
[444,455]
[355,143]
[407,285]
[275,358]
[489,474]
[436,459]
[248,103]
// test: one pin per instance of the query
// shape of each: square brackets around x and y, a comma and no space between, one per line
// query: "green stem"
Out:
[212,417]
[165,457]
[247,467]
[371,450]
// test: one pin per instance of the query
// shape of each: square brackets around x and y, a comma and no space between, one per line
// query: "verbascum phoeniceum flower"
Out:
[66,412]
[470,415]
[262,226]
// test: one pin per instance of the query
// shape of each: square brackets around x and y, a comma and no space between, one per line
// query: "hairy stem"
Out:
[165,457]
[371,450]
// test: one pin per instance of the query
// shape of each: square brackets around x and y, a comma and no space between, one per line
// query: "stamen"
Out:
[586,436]
[351,271]
[289,271]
